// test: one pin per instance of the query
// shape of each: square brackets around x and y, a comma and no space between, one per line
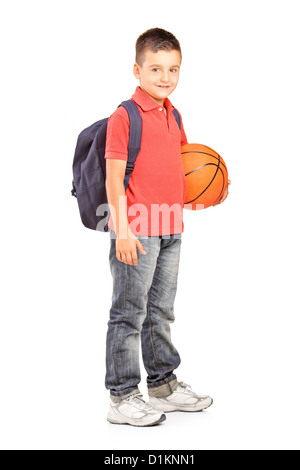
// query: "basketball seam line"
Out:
[204,153]
[218,168]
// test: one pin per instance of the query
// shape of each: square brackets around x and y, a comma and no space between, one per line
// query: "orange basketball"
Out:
[206,176]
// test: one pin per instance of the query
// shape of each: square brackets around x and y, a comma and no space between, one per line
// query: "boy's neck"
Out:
[160,102]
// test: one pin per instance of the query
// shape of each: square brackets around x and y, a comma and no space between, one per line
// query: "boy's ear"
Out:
[136,70]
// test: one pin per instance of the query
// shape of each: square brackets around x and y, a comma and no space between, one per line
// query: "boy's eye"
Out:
[157,70]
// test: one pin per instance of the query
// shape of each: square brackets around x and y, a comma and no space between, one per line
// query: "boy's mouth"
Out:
[163,86]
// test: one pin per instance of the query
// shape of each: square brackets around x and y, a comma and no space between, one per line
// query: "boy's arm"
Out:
[115,173]
[126,243]
[116,155]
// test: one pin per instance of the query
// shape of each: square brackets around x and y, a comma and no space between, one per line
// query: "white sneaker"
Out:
[182,399]
[135,411]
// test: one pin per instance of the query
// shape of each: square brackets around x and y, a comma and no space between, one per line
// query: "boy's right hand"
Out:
[126,249]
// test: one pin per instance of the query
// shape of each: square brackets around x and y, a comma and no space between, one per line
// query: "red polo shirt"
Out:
[157,185]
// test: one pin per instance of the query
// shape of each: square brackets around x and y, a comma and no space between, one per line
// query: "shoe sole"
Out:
[173,409]
[160,420]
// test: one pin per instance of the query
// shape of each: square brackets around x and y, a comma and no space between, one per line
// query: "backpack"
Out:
[89,167]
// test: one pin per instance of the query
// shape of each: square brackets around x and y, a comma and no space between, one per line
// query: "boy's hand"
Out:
[224,195]
[126,249]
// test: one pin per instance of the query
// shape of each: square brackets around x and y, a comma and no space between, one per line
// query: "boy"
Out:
[144,256]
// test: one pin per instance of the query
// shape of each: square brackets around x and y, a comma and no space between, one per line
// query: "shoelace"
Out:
[137,399]
[183,387]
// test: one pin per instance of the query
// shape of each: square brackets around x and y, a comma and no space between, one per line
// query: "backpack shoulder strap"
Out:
[177,117]
[135,136]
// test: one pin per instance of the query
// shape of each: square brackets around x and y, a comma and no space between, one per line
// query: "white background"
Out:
[66,64]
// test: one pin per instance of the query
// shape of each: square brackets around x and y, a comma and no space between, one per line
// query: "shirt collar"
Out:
[146,103]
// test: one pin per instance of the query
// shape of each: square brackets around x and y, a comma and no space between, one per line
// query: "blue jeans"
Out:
[141,311]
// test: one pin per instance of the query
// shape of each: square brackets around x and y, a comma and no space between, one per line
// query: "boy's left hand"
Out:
[224,195]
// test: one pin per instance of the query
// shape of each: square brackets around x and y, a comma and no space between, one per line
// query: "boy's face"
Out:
[159,73]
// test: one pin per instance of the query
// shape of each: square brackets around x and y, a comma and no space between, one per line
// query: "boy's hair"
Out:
[155,40]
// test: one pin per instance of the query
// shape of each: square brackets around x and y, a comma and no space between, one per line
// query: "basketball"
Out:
[206,176]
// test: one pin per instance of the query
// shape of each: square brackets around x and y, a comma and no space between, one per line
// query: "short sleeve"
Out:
[117,137]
